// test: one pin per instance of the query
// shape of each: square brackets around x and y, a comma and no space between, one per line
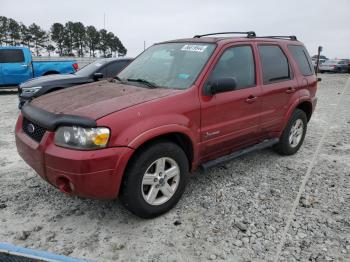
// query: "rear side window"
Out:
[275,64]
[236,62]
[302,58]
[11,56]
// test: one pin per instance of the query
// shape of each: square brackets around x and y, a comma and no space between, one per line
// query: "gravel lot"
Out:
[237,212]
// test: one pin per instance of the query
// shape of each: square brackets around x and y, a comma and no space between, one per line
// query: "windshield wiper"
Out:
[143,81]
[119,79]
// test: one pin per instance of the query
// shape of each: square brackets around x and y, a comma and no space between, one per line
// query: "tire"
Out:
[142,179]
[286,145]
[322,72]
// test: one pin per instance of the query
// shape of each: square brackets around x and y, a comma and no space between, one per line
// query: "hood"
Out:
[55,80]
[96,100]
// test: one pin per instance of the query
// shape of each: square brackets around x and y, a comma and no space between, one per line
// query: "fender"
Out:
[163,130]
[291,109]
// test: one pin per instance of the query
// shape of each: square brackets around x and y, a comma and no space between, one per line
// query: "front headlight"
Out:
[30,90]
[82,138]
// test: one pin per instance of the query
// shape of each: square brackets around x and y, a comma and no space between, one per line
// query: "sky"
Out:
[314,22]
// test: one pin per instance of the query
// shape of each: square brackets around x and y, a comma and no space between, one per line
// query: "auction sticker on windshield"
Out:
[194,48]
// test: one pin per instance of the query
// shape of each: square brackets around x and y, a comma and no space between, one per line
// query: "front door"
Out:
[14,68]
[230,120]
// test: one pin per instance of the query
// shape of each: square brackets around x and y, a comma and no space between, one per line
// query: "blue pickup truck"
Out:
[17,66]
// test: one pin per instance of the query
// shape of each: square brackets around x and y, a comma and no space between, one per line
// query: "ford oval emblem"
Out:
[30,128]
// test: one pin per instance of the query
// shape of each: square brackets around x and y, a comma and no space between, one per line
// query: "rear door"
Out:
[279,86]
[14,67]
[230,120]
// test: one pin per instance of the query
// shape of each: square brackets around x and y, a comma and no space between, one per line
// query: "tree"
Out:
[68,38]
[104,41]
[3,29]
[122,50]
[78,37]
[39,37]
[92,39]
[13,29]
[50,48]
[26,36]
[57,35]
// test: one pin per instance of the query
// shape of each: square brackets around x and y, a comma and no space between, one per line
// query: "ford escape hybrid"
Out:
[180,105]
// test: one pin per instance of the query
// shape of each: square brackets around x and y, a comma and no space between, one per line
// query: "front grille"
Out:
[34,131]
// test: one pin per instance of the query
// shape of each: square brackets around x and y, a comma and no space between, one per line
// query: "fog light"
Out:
[65,185]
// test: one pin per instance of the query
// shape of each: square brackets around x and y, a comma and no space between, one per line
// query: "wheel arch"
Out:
[177,137]
[306,106]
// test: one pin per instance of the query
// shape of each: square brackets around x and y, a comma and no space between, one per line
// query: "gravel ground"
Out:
[237,212]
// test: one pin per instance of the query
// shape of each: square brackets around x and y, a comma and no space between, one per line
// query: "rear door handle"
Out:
[290,90]
[251,99]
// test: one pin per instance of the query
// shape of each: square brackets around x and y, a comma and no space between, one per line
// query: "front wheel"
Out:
[155,179]
[293,135]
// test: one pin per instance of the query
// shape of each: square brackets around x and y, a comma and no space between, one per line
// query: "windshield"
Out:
[171,65]
[91,68]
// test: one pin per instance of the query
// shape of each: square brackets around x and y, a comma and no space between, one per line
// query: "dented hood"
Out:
[99,99]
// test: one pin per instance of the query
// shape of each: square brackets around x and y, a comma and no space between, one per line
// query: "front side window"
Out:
[169,65]
[302,58]
[11,56]
[238,63]
[274,63]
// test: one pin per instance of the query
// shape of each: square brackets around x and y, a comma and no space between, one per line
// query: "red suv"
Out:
[180,105]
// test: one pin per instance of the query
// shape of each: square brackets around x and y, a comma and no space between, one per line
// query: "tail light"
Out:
[75,66]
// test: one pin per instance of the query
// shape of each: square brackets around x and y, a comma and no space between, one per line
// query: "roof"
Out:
[228,39]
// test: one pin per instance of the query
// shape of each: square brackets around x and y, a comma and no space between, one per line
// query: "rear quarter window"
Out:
[11,56]
[302,58]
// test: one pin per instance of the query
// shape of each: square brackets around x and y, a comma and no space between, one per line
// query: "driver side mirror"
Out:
[220,85]
[97,76]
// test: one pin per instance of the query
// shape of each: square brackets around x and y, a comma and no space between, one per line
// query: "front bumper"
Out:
[92,174]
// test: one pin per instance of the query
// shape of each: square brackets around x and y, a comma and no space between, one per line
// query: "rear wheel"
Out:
[155,179]
[293,135]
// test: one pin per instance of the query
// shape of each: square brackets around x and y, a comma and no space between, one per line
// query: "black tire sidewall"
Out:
[284,146]
[131,194]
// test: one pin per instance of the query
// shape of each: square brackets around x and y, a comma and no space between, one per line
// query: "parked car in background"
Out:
[100,69]
[314,60]
[17,66]
[180,105]
[348,62]
[334,66]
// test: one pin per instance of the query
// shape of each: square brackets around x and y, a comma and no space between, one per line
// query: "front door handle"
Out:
[251,99]
[24,65]
[290,90]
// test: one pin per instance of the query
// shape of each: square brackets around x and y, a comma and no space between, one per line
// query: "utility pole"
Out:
[144,45]
[104,21]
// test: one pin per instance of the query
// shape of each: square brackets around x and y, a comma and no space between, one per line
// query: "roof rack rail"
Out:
[250,34]
[290,37]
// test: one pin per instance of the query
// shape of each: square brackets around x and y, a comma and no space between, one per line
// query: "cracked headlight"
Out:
[82,138]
